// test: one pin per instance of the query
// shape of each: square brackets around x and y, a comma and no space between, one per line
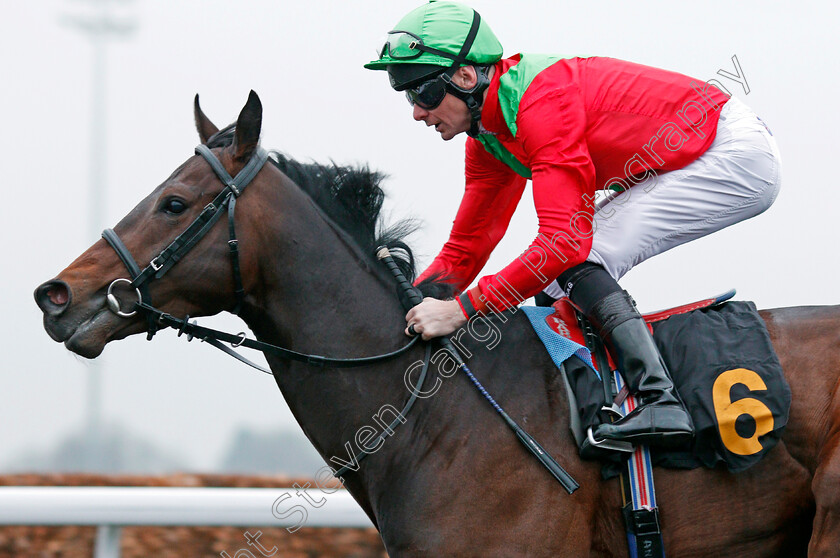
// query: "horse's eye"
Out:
[174,206]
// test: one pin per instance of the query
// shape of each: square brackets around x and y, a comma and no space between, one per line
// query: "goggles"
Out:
[429,94]
[402,45]
[405,45]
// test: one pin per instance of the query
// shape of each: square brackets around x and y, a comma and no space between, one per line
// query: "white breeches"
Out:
[738,177]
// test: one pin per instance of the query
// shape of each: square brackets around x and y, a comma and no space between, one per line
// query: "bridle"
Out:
[183,243]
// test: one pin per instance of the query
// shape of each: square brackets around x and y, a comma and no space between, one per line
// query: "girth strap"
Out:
[641,516]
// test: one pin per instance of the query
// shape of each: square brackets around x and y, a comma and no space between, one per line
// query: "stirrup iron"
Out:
[613,445]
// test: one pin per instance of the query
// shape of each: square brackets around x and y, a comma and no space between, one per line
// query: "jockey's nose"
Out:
[419,113]
[53,297]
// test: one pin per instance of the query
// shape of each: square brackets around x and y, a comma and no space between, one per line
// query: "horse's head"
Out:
[76,305]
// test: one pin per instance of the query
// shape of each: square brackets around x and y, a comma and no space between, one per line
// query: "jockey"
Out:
[671,159]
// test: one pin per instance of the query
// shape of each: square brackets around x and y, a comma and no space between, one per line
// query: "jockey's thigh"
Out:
[738,177]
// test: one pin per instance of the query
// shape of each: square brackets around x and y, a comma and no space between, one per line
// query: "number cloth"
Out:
[724,367]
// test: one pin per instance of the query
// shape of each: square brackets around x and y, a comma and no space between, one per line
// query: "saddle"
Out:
[723,365]
[726,371]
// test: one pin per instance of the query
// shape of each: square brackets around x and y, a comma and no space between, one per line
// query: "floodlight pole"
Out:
[98,25]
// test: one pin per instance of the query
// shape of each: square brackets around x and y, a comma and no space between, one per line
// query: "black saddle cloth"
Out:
[727,373]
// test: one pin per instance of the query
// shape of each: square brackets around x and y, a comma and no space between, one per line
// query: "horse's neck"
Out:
[321,295]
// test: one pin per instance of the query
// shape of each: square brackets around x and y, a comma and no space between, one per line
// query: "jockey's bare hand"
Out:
[435,318]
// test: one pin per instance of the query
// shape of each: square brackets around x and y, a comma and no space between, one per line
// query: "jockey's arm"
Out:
[490,198]
[551,130]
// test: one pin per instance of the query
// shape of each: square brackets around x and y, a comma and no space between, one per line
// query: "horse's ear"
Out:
[248,128]
[202,123]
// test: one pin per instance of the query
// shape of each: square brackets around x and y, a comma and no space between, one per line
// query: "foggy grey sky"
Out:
[305,61]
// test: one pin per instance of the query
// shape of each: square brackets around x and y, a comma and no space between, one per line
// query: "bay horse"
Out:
[452,480]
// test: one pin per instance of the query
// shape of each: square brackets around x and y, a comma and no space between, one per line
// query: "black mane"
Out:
[352,198]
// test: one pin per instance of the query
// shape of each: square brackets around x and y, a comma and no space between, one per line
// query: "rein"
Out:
[215,337]
[184,242]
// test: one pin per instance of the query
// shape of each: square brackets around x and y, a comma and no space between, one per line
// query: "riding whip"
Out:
[415,297]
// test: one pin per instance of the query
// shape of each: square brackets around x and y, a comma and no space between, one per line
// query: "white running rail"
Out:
[109,508]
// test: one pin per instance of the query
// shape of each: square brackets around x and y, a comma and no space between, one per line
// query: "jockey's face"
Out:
[451,116]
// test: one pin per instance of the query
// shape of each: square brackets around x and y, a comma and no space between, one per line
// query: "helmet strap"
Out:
[473,97]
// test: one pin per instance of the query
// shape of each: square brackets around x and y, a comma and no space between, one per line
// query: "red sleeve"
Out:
[551,129]
[492,193]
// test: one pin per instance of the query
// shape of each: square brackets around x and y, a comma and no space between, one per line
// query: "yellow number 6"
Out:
[728,411]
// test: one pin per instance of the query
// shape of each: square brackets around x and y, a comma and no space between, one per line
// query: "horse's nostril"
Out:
[58,295]
[53,296]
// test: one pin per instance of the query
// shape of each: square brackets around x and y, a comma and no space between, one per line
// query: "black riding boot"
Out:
[661,418]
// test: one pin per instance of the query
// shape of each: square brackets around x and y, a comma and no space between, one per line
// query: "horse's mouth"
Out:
[88,337]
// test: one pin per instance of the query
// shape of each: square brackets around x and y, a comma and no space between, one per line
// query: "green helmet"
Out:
[433,36]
